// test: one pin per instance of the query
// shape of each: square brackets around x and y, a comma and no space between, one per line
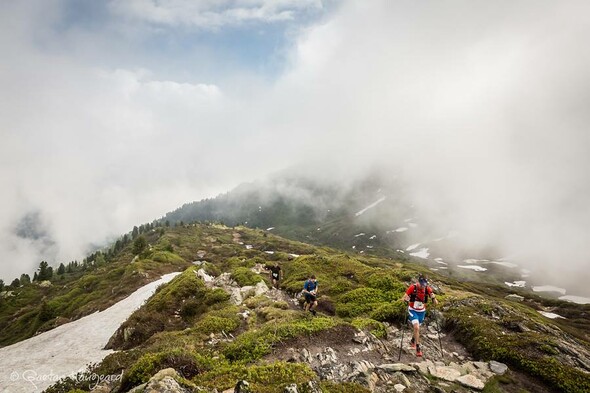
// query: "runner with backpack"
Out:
[417,296]
[275,275]
[310,291]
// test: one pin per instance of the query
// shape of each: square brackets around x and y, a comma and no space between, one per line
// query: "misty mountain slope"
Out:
[218,323]
[371,214]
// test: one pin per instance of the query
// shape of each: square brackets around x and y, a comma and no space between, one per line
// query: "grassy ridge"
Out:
[213,343]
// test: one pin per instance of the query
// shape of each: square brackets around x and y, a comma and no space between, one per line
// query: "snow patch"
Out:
[422,253]
[359,234]
[475,260]
[270,229]
[372,205]
[473,267]
[248,246]
[505,264]
[413,246]
[270,252]
[372,237]
[518,284]
[550,315]
[575,299]
[549,288]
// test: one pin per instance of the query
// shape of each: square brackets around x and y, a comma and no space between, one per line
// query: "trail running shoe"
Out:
[314,312]
[412,343]
[418,350]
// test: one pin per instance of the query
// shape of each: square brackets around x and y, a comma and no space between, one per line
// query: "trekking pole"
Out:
[439,340]
[399,356]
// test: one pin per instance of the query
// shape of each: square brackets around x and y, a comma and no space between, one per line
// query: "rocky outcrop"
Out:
[378,376]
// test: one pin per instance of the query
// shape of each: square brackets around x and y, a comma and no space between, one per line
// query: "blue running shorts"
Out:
[416,316]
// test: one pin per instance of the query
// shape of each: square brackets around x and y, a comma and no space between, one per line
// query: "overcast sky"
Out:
[113,113]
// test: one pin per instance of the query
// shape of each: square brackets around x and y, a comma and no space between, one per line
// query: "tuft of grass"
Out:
[254,344]
[244,276]
[375,327]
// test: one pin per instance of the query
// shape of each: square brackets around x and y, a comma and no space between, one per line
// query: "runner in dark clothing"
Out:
[310,290]
[275,275]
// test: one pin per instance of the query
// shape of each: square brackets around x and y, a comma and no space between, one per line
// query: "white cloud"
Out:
[212,14]
[480,108]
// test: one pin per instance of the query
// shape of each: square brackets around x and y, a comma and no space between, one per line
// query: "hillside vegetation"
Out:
[216,324]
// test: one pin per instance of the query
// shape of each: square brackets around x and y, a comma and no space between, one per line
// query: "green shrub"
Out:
[375,327]
[267,378]
[244,276]
[216,296]
[186,363]
[347,387]
[390,312]
[213,324]
[254,344]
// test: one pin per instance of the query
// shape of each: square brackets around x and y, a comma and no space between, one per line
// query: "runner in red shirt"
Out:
[417,295]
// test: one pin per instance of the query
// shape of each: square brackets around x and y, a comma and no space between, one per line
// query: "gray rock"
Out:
[515,297]
[291,389]
[242,387]
[497,367]
[470,381]
[138,389]
[393,367]
[445,373]
[261,288]
[399,387]
[164,382]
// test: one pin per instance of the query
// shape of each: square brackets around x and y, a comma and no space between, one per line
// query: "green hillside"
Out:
[213,342]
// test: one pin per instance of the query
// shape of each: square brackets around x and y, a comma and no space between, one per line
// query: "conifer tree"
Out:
[25,279]
[61,269]
[44,273]
[139,245]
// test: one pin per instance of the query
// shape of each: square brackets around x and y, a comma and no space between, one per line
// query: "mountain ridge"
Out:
[199,332]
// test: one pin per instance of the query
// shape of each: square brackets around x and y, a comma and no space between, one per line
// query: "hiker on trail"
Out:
[417,295]
[310,290]
[275,275]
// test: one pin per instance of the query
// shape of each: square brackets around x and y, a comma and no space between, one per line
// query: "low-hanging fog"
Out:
[481,109]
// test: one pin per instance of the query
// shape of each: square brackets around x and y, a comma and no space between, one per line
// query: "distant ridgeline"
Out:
[306,210]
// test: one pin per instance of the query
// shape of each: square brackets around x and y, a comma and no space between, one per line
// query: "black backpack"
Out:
[415,294]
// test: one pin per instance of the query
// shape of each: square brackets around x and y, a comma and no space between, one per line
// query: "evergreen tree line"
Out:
[92,261]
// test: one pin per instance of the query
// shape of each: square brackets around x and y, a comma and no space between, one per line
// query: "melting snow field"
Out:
[473,267]
[575,299]
[550,315]
[548,288]
[422,253]
[518,284]
[36,363]
[413,246]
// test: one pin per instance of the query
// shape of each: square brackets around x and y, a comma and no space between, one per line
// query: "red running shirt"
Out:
[418,304]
